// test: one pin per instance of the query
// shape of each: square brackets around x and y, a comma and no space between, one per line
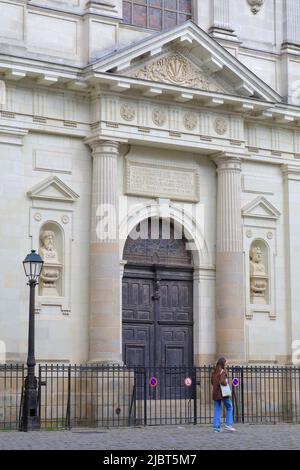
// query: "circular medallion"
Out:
[127,112]
[249,233]
[190,120]
[270,235]
[220,126]
[65,219]
[159,116]
[37,216]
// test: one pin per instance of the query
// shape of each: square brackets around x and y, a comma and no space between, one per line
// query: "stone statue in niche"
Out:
[51,273]
[258,276]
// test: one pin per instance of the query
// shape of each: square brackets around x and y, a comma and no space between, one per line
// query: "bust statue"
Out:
[258,276]
[51,269]
[47,250]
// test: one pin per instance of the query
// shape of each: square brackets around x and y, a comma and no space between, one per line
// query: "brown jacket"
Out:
[217,378]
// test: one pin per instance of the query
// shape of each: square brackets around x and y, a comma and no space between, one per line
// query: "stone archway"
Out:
[157,298]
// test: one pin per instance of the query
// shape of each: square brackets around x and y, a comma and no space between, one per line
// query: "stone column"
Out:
[229,261]
[221,20]
[105,329]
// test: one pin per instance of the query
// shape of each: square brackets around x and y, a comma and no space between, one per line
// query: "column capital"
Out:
[227,161]
[103,146]
[290,172]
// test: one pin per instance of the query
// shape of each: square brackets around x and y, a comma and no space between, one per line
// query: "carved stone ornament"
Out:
[52,268]
[190,120]
[249,233]
[177,70]
[159,116]
[127,112]
[38,216]
[65,219]
[255,5]
[258,276]
[220,126]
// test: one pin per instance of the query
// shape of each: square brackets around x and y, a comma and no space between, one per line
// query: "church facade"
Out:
[150,152]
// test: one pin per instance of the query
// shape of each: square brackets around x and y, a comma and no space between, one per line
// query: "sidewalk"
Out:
[281,436]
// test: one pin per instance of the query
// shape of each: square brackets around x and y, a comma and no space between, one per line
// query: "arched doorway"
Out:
[157,298]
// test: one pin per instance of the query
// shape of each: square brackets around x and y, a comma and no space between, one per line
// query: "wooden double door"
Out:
[157,316]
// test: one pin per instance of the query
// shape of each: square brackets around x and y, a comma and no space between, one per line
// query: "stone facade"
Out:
[201,118]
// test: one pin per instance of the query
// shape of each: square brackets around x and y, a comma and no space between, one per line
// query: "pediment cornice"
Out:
[53,188]
[199,46]
[261,208]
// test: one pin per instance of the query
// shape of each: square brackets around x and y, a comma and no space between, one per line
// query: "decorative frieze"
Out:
[190,120]
[159,116]
[220,126]
[127,112]
[162,179]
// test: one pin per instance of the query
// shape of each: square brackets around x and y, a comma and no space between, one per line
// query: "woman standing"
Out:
[219,377]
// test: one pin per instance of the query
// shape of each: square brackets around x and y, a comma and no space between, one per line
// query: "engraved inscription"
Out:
[147,180]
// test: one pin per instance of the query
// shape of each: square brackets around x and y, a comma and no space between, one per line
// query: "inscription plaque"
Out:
[159,180]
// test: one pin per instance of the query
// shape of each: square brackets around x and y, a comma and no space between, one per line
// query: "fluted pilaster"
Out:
[105,285]
[104,191]
[229,261]
[229,234]
[292,22]
[221,20]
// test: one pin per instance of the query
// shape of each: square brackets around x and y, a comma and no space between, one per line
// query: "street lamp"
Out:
[30,420]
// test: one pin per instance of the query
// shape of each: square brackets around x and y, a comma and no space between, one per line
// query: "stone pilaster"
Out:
[292,24]
[221,20]
[229,261]
[105,329]
[291,181]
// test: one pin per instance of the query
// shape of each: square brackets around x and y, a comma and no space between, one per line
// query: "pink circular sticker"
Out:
[188,381]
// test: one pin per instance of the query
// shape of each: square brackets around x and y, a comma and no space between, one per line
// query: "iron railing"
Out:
[113,396]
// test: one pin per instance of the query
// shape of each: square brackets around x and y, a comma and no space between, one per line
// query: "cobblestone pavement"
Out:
[157,438]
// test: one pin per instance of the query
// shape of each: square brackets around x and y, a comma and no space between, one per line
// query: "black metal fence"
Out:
[113,396]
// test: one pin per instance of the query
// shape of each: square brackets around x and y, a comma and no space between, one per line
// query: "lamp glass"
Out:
[33,265]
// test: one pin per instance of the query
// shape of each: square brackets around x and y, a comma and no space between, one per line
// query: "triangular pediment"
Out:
[186,56]
[260,207]
[53,189]
[177,67]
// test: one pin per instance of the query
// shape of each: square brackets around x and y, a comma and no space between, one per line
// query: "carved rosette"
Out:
[177,70]
[127,112]
[255,5]
[220,126]
[190,121]
[159,116]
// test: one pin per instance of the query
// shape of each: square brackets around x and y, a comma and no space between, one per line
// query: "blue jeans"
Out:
[218,412]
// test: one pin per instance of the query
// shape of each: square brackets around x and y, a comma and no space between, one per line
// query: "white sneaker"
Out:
[229,428]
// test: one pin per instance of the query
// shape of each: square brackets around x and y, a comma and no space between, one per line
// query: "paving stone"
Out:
[281,437]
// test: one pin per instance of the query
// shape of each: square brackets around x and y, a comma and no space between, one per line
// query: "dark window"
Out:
[156,14]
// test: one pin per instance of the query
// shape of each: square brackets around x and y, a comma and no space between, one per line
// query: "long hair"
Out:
[220,364]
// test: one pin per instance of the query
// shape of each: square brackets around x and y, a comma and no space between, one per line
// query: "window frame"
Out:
[161,8]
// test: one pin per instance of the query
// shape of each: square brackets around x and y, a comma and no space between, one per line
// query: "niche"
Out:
[51,251]
[259,273]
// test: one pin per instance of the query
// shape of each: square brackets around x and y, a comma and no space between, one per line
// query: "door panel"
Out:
[138,344]
[137,299]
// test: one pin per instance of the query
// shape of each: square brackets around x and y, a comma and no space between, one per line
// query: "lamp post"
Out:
[30,420]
